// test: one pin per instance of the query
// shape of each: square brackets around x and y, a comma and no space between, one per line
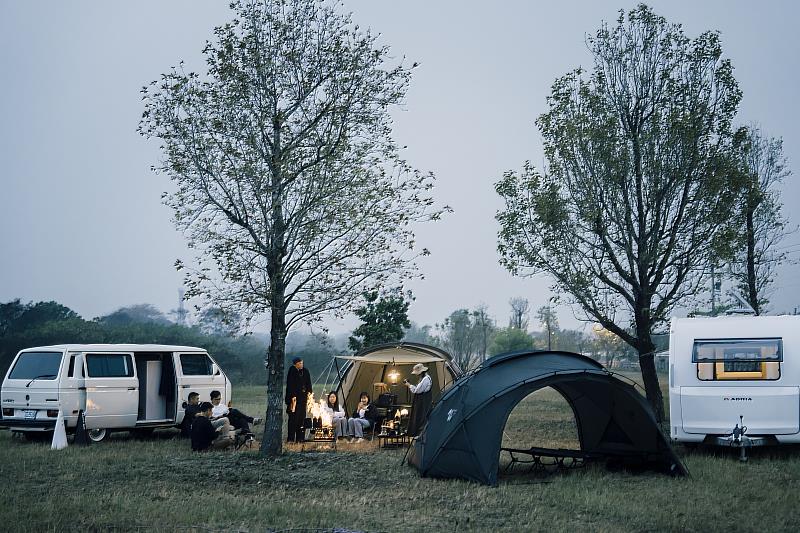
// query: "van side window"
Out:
[196,364]
[71,371]
[109,365]
[738,359]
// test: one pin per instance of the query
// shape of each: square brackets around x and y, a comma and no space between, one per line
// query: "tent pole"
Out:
[339,373]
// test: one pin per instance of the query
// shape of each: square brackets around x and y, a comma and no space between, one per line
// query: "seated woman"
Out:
[365,416]
[337,414]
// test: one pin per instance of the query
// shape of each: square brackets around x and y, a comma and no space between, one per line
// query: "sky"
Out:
[81,217]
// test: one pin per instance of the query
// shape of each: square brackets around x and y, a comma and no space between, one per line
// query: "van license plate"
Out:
[30,414]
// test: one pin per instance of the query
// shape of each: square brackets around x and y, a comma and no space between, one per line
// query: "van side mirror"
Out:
[214,369]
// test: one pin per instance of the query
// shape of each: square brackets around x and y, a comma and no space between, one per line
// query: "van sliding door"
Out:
[112,390]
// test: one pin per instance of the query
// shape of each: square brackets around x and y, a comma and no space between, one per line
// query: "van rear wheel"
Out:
[97,435]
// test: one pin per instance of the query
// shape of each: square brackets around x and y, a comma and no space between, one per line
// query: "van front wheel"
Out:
[97,435]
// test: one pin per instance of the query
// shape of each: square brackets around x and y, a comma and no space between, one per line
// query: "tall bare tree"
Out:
[519,313]
[638,193]
[287,180]
[548,319]
[761,223]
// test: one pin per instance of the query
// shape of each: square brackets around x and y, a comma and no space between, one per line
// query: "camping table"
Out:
[386,440]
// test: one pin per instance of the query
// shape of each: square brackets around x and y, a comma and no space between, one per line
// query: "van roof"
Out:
[118,348]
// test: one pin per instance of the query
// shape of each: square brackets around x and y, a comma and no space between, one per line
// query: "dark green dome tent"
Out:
[463,434]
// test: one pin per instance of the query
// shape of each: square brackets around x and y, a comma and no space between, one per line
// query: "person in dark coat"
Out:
[422,399]
[365,416]
[190,410]
[298,387]
[204,435]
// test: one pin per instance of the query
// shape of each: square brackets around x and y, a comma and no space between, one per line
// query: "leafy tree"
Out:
[759,216]
[139,313]
[420,334]
[519,313]
[383,319]
[287,179]
[484,329]
[638,194]
[510,340]
[456,336]
[549,321]
[215,321]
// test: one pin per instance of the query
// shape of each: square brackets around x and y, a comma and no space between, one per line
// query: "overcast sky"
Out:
[81,217]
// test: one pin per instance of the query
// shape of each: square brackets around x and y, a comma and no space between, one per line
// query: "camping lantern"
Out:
[393,375]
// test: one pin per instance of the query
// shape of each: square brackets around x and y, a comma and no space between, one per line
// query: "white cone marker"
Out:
[60,433]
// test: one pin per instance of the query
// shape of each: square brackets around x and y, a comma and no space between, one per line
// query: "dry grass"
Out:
[159,483]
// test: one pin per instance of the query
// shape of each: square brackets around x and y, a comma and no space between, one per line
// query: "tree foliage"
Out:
[383,319]
[637,197]
[287,179]
[759,217]
[511,340]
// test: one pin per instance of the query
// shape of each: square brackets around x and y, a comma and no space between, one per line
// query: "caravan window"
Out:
[738,359]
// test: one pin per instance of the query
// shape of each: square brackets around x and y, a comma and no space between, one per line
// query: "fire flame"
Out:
[319,410]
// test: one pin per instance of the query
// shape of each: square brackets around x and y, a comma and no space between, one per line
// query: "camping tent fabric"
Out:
[372,365]
[463,434]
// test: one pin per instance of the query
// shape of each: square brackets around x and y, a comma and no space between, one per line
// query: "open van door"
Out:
[199,373]
[112,392]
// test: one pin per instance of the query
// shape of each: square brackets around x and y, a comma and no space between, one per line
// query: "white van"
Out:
[131,387]
[732,371]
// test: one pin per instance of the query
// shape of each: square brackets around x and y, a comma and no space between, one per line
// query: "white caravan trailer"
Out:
[118,386]
[729,372]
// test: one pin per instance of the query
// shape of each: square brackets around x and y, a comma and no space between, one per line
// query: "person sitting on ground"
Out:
[205,436]
[365,416]
[237,419]
[190,410]
[337,414]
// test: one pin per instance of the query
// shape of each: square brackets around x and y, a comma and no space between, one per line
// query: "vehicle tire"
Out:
[97,435]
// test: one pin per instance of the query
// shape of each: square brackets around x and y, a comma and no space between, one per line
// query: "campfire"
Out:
[322,423]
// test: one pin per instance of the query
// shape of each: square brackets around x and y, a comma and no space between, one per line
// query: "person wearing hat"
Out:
[298,387]
[421,400]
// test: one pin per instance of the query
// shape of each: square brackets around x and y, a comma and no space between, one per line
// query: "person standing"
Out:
[421,400]
[298,387]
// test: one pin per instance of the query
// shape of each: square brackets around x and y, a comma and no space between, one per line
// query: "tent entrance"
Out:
[540,432]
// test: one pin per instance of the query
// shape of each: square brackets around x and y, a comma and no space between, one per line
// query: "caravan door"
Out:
[112,390]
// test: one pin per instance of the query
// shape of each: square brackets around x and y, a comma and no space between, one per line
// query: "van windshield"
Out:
[37,365]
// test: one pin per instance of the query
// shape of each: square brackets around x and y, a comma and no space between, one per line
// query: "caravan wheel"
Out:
[97,435]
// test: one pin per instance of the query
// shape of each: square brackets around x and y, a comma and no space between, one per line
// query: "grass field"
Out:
[158,483]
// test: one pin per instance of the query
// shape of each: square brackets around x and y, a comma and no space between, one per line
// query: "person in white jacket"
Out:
[337,414]
[422,398]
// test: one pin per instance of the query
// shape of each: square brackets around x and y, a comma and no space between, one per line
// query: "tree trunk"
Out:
[646,349]
[752,290]
[272,441]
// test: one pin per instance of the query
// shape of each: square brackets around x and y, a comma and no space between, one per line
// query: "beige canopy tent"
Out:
[382,368]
